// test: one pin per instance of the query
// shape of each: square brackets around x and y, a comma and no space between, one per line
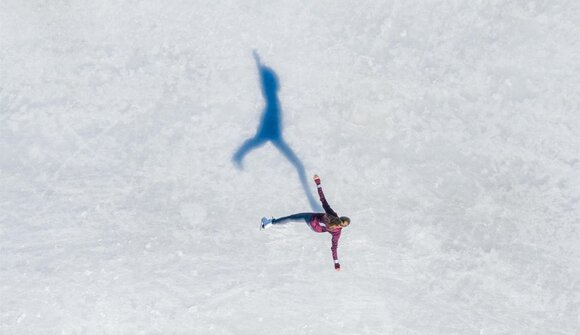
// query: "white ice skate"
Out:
[266,223]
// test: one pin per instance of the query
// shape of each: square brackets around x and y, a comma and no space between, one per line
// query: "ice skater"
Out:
[328,222]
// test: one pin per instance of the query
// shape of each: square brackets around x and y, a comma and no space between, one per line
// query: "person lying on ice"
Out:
[328,222]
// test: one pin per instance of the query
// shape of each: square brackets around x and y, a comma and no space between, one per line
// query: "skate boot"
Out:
[266,223]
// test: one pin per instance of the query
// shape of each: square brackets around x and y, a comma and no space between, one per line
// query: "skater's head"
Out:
[344,221]
[336,222]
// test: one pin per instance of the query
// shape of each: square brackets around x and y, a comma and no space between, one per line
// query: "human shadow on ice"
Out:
[270,129]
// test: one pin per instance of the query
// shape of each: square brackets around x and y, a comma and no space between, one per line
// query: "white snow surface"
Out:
[447,130]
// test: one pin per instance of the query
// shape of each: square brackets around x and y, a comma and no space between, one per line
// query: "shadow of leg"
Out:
[291,156]
[249,145]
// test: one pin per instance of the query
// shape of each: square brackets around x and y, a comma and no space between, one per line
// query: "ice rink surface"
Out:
[449,131]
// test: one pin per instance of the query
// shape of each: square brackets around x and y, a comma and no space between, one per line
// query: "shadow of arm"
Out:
[257,59]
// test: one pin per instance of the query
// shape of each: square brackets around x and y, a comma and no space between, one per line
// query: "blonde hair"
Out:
[334,221]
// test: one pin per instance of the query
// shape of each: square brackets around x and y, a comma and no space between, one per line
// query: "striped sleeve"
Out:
[334,248]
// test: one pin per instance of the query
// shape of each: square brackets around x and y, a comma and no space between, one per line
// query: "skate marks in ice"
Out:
[270,129]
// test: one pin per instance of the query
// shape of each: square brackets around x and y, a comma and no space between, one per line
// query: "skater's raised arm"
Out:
[325,205]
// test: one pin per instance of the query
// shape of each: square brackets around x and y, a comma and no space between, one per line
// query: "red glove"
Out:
[317,179]
[337,266]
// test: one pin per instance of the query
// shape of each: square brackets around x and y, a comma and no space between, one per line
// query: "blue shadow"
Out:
[270,129]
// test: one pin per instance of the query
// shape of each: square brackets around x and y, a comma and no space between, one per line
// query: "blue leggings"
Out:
[306,217]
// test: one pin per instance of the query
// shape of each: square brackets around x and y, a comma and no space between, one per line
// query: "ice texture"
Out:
[449,131]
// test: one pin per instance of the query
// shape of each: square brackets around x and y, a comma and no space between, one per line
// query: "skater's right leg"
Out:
[305,217]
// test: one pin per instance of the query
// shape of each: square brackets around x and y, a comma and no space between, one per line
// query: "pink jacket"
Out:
[317,219]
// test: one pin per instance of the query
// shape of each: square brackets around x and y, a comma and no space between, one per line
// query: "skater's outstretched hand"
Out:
[337,266]
[317,179]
